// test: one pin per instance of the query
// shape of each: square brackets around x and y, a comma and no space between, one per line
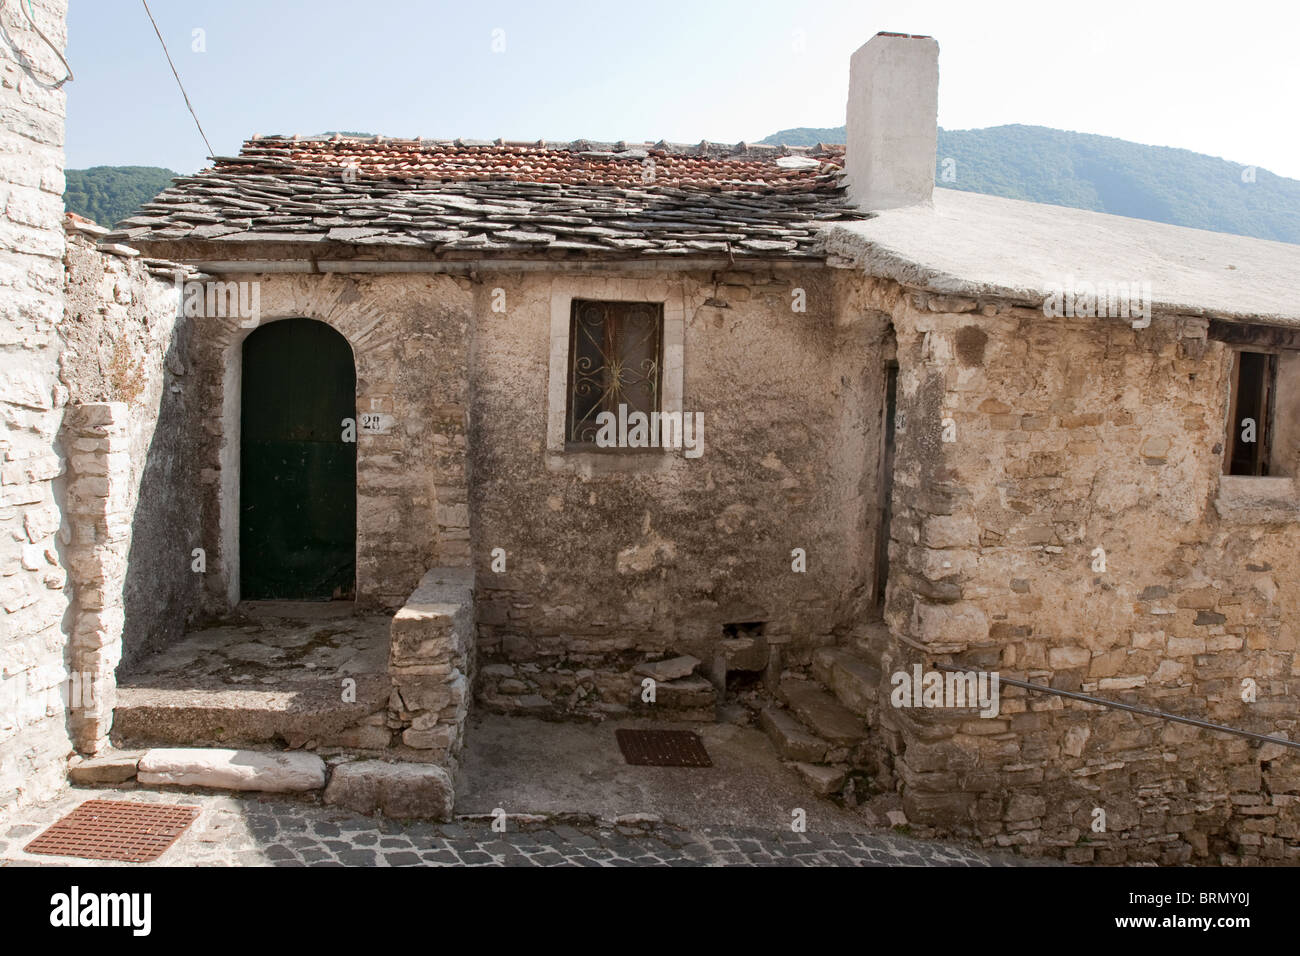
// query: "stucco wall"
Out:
[613,558]
[608,559]
[33,600]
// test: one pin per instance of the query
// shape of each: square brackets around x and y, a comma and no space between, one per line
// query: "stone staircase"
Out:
[821,724]
[366,707]
[303,715]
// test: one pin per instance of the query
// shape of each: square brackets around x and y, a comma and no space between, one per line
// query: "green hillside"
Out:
[1105,174]
[108,194]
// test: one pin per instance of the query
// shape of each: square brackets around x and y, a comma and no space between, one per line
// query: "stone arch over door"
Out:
[411,480]
[298,463]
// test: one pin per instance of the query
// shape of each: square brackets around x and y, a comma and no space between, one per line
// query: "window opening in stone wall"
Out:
[615,358]
[1250,419]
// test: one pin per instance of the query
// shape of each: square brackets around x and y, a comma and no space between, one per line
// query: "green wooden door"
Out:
[298,477]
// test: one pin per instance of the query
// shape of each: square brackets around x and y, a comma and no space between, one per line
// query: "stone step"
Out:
[870,637]
[105,769]
[854,682]
[824,780]
[821,713]
[790,738]
[398,790]
[291,772]
[689,698]
[146,715]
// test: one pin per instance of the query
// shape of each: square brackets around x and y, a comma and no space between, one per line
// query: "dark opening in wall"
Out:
[743,657]
[885,508]
[745,629]
[1250,418]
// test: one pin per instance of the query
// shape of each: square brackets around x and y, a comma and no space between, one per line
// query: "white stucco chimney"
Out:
[893,121]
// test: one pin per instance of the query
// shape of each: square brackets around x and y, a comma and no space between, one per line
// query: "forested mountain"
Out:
[1106,174]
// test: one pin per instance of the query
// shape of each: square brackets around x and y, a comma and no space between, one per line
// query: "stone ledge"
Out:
[1243,499]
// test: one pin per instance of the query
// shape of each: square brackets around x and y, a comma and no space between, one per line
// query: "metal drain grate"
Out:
[108,830]
[662,748]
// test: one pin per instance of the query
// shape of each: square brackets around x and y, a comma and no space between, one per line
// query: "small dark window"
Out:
[1250,418]
[614,359]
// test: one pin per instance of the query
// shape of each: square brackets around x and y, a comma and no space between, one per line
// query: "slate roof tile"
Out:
[516,199]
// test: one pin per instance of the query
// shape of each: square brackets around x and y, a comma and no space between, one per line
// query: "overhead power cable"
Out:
[211,153]
[27,12]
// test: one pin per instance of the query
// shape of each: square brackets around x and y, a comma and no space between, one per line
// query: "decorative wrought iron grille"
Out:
[614,359]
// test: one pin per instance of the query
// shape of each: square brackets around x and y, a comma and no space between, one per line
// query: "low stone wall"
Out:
[431,663]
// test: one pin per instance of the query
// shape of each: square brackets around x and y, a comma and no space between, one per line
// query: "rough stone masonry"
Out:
[1073,436]
[530,576]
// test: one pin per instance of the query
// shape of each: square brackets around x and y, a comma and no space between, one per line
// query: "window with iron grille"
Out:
[614,359]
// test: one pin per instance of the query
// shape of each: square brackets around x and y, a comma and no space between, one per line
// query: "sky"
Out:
[1212,77]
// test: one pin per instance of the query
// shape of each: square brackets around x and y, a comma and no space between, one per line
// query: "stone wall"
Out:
[610,559]
[126,345]
[34,742]
[408,335]
[1072,436]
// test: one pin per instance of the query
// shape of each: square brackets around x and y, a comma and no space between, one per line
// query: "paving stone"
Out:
[402,859]
[110,768]
[397,789]
[441,857]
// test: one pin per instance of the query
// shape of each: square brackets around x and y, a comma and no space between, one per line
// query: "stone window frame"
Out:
[1255,499]
[1267,454]
[664,291]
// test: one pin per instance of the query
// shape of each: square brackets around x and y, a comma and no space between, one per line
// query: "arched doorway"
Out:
[298,464]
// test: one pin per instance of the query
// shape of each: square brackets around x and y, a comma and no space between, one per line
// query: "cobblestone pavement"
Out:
[262,831]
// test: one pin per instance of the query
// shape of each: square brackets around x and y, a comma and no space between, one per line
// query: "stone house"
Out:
[904,428]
